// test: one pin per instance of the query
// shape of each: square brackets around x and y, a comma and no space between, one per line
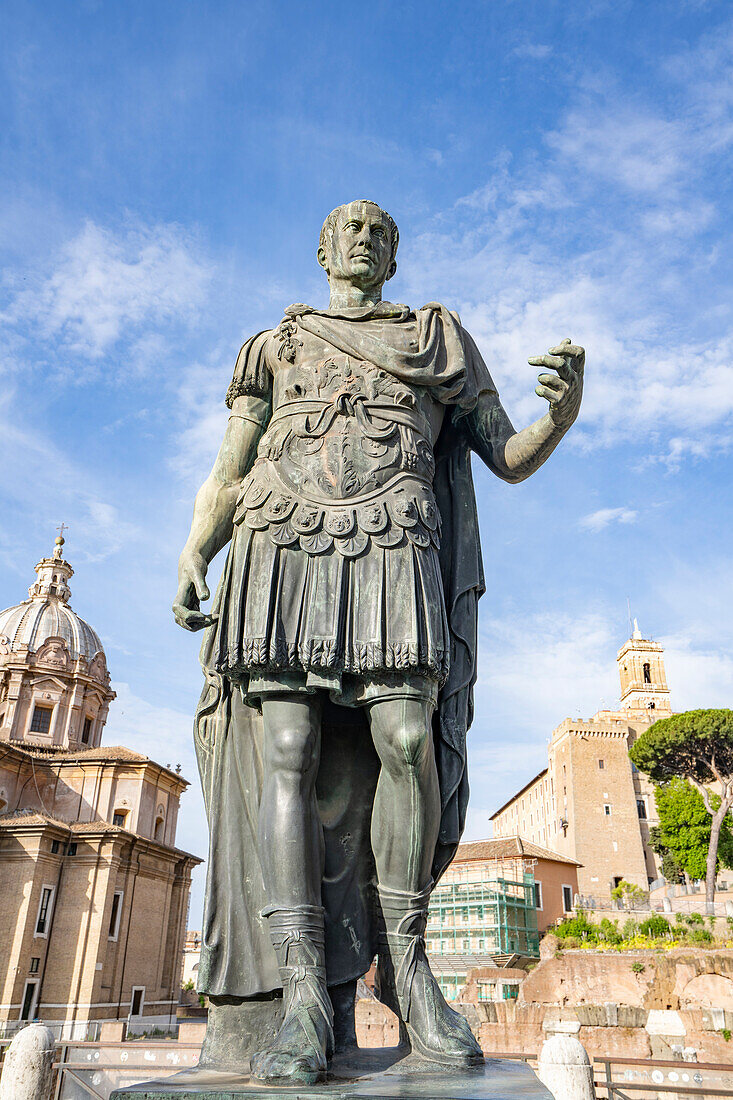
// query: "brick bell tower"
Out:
[644,691]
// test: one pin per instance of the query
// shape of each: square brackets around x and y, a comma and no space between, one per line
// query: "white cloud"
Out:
[598,521]
[533,51]
[633,148]
[34,469]
[108,286]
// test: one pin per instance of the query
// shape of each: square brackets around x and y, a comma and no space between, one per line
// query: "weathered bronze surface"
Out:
[340,653]
[367,1075]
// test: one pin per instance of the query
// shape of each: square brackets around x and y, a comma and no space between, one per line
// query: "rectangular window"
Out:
[72,848]
[607,810]
[35,963]
[601,764]
[567,898]
[538,895]
[641,808]
[116,913]
[41,720]
[87,730]
[118,818]
[55,847]
[44,911]
[138,999]
[28,1010]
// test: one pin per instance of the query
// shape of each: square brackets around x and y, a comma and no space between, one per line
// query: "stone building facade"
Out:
[94,893]
[590,804]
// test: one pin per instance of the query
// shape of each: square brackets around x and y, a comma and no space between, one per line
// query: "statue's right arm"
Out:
[214,507]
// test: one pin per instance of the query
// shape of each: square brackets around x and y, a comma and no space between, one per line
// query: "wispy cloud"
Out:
[106,287]
[604,517]
[533,51]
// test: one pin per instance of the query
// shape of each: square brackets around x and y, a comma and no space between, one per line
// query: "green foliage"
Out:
[684,828]
[672,869]
[187,986]
[694,919]
[726,1034]
[629,892]
[638,967]
[631,929]
[684,744]
[655,927]
[700,937]
[608,932]
[577,927]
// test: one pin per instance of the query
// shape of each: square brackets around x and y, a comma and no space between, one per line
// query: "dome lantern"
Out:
[54,684]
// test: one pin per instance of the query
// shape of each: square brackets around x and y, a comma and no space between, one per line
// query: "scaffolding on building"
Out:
[480,921]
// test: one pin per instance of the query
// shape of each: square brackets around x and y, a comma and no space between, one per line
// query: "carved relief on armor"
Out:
[404,509]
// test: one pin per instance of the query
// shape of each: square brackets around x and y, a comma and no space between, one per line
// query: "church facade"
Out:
[590,803]
[94,893]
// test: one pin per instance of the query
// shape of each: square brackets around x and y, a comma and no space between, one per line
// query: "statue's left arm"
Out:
[514,455]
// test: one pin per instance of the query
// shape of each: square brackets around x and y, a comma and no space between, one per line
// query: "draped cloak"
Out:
[237,959]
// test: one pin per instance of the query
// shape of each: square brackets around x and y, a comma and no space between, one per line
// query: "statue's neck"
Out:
[345,295]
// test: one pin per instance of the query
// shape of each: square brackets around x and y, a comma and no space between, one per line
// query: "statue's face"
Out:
[361,247]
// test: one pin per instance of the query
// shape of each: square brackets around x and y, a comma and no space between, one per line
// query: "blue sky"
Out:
[556,169]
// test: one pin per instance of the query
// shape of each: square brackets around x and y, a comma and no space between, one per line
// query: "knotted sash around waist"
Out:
[366,412]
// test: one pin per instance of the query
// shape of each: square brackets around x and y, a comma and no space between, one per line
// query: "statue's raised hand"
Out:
[192,588]
[564,391]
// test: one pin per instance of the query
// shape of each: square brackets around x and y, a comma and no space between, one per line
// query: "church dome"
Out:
[47,614]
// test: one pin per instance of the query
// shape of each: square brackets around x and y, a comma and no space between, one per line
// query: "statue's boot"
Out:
[407,985]
[304,1043]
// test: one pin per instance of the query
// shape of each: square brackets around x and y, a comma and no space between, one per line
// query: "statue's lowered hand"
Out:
[192,588]
[565,390]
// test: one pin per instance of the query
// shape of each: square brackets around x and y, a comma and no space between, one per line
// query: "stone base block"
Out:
[362,1074]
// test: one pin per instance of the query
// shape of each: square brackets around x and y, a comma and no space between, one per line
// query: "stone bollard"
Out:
[565,1068]
[28,1067]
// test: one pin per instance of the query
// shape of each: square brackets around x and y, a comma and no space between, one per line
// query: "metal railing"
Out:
[654,1080]
[95,1070]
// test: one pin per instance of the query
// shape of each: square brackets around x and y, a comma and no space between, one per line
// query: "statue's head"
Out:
[358,243]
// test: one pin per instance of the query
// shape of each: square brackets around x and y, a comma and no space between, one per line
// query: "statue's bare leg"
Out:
[405,823]
[291,851]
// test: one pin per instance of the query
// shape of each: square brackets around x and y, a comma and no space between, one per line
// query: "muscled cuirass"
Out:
[346,460]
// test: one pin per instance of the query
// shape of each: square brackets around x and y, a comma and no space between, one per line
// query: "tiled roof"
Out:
[103,754]
[508,847]
[22,817]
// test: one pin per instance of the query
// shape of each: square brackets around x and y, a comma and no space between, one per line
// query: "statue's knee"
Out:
[293,750]
[410,744]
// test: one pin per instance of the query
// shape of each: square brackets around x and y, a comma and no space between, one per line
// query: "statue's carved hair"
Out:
[329,225]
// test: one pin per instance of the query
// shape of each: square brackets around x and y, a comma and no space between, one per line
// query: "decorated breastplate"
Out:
[346,460]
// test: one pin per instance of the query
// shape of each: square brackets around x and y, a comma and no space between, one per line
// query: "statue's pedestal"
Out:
[364,1074]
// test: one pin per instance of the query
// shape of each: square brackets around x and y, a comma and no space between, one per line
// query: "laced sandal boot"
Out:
[408,987]
[304,1043]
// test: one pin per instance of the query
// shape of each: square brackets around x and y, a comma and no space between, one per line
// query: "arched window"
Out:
[158,833]
[647,673]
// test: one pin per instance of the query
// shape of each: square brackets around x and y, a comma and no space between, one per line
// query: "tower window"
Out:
[647,673]
[87,730]
[641,808]
[35,963]
[44,910]
[601,764]
[115,914]
[41,720]
[119,817]
[607,810]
